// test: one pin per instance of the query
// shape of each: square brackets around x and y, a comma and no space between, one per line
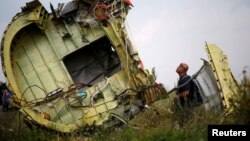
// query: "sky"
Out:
[168,32]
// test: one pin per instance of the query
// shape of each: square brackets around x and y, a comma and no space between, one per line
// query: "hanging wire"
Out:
[98,91]
[27,89]
[123,120]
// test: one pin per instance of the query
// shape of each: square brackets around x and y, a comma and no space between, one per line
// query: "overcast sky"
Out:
[167,32]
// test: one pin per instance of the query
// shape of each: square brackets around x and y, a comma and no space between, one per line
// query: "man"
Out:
[184,86]
[1,91]
[5,100]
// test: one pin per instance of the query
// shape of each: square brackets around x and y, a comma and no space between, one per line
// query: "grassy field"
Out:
[158,124]
[154,124]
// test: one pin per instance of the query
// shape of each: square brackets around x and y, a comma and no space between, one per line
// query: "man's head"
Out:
[182,69]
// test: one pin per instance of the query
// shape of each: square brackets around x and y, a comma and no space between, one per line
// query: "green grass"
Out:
[155,124]
[163,126]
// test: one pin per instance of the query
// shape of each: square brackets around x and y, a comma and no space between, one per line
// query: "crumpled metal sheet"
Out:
[209,89]
[69,7]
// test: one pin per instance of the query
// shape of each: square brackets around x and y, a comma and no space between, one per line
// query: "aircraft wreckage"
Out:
[76,67]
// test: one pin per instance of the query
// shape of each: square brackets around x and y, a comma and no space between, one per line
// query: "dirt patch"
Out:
[10,119]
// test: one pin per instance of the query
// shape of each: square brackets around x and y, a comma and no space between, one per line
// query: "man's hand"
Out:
[184,94]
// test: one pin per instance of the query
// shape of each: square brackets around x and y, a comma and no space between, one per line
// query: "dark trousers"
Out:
[5,106]
[186,107]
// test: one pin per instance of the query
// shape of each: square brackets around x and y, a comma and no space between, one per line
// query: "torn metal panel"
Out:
[227,84]
[209,88]
[75,70]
